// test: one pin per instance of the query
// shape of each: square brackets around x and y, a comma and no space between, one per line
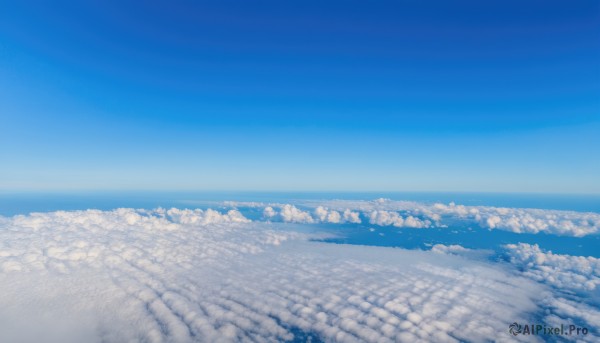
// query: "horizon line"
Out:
[123,191]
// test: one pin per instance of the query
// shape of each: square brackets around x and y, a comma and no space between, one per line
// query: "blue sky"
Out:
[300,95]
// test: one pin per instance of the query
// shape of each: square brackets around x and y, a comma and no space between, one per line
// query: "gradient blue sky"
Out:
[300,95]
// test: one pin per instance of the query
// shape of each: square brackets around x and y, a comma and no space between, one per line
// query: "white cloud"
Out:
[562,271]
[387,218]
[449,249]
[560,310]
[208,216]
[188,275]
[269,212]
[291,214]
[419,215]
[519,220]
[352,217]
[323,215]
[459,250]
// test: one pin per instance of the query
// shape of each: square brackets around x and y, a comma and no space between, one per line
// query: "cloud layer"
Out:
[562,271]
[191,275]
[291,214]
[410,214]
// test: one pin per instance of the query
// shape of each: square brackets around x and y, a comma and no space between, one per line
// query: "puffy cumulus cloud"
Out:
[208,216]
[269,212]
[291,214]
[352,217]
[519,220]
[287,213]
[420,215]
[386,218]
[525,220]
[163,276]
[406,208]
[561,271]
[324,215]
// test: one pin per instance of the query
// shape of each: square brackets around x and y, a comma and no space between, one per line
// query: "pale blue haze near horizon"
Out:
[497,96]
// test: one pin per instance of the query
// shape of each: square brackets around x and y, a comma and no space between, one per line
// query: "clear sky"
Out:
[300,95]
